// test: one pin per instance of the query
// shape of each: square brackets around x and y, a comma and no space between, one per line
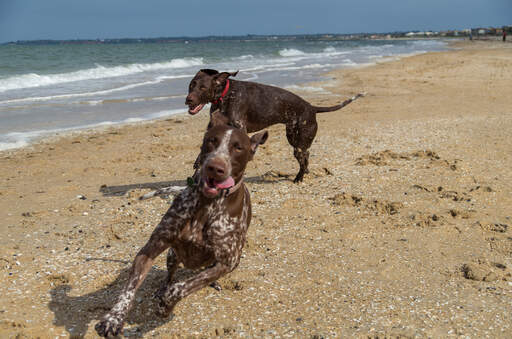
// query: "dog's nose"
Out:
[188,100]
[216,168]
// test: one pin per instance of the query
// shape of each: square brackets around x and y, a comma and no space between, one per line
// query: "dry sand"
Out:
[402,229]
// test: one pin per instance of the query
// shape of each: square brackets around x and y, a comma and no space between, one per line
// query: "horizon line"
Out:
[192,37]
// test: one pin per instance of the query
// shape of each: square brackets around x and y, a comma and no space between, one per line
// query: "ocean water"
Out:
[47,89]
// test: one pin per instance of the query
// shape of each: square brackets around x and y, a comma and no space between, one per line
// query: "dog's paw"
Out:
[163,309]
[109,326]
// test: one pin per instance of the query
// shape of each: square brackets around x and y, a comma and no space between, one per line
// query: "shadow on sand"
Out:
[78,313]
[123,189]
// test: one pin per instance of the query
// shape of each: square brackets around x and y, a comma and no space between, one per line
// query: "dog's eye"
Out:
[237,147]
[202,88]
[212,140]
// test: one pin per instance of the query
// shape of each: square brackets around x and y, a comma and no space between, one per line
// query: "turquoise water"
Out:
[49,88]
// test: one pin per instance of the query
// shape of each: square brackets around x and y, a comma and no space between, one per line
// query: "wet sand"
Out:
[402,229]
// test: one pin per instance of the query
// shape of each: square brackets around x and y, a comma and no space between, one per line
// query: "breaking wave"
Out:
[290,52]
[99,72]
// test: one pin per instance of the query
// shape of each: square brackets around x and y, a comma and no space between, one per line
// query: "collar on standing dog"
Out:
[224,92]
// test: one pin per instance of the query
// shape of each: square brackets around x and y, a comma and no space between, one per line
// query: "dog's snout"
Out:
[216,168]
[188,100]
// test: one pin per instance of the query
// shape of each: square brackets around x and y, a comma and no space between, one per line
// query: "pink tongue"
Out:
[197,109]
[229,182]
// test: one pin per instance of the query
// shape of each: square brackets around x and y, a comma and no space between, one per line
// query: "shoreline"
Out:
[26,139]
[402,228]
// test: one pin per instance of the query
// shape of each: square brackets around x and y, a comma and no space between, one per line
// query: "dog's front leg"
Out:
[176,217]
[180,290]
[112,323]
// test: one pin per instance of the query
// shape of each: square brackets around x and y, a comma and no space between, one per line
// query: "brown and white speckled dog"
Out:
[254,106]
[206,225]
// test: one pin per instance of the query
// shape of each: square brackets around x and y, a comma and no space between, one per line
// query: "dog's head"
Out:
[226,150]
[206,86]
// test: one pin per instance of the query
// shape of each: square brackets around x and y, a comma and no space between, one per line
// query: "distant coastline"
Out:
[248,37]
[479,32]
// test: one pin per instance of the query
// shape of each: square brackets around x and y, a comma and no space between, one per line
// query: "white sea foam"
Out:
[99,72]
[334,53]
[290,52]
[14,140]
[84,94]
[95,93]
[281,67]
[17,139]
[297,55]
[166,113]
[14,144]
[166,97]
[293,68]
[131,120]
[306,89]
[264,67]
[93,102]
[171,77]
[427,43]
[244,57]
[349,62]
[143,99]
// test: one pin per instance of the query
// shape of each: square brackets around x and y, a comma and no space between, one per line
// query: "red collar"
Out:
[224,92]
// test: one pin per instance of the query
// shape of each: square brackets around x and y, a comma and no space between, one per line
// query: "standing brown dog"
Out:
[206,225]
[254,106]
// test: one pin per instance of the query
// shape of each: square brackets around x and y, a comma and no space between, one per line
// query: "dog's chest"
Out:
[212,223]
[221,227]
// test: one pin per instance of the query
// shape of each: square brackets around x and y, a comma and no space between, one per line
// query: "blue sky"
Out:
[90,19]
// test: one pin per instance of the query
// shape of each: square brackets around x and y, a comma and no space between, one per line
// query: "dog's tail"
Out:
[337,107]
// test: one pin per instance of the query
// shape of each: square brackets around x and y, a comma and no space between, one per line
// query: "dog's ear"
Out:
[258,139]
[209,71]
[217,118]
[221,77]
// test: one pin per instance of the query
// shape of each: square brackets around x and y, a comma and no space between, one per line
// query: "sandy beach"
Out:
[402,229]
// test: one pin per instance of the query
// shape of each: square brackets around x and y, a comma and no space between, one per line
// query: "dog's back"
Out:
[265,105]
